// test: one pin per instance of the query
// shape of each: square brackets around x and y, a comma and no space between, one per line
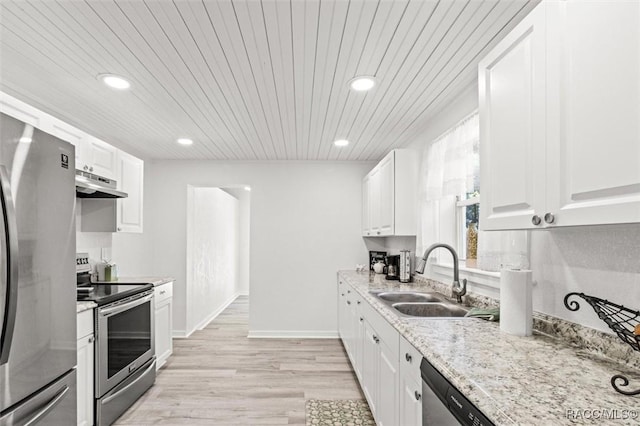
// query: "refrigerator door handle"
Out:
[11,232]
[47,408]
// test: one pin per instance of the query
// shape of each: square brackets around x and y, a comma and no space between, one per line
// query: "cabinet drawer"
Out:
[163,292]
[85,323]
[410,358]
[385,331]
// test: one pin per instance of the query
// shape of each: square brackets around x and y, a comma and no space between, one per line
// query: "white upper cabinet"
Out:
[98,157]
[389,196]
[512,95]
[130,180]
[593,116]
[559,118]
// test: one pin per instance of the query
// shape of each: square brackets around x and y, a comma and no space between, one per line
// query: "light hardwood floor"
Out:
[220,377]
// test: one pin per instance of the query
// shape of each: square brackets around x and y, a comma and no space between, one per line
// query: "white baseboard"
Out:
[183,334]
[180,334]
[293,334]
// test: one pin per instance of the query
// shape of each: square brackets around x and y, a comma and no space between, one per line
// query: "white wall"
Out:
[305,225]
[212,255]
[244,203]
[597,260]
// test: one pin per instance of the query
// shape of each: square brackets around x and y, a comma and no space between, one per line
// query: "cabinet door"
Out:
[131,181]
[374,201]
[366,207]
[84,377]
[594,112]
[101,157]
[387,387]
[163,325]
[410,400]
[370,364]
[342,313]
[512,121]
[386,194]
[163,331]
[356,331]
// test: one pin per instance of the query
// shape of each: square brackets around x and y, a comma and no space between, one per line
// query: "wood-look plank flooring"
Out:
[220,377]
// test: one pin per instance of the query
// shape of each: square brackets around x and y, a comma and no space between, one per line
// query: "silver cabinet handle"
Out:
[378,232]
[549,218]
[361,319]
[162,292]
[348,291]
[417,395]
[119,229]
[91,339]
[359,302]
[85,168]
[536,220]
[375,338]
[91,168]
[342,294]
[11,292]
[407,357]
[348,302]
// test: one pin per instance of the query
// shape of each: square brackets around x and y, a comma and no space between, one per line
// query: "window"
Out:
[451,190]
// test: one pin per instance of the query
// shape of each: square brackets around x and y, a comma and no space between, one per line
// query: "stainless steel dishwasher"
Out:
[443,404]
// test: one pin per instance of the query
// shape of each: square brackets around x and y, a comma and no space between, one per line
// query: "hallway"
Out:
[220,377]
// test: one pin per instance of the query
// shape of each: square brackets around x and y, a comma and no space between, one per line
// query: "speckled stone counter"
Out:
[84,306]
[535,380]
[156,281]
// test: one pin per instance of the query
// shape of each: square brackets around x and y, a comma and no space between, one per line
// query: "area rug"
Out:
[346,412]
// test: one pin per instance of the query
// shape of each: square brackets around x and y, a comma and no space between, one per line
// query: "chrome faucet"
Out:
[457,291]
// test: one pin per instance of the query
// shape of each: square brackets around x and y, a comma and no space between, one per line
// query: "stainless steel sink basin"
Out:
[415,304]
[430,310]
[410,296]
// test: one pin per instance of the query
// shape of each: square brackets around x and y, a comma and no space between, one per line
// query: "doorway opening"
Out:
[217,258]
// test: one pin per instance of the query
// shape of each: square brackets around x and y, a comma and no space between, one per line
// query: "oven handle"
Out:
[120,308]
[124,389]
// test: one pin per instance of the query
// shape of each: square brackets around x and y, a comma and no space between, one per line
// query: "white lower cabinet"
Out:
[387,385]
[84,377]
[163,323]
[376,352]
[410,385]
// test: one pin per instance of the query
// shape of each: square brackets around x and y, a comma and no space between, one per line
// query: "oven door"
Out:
[126,340]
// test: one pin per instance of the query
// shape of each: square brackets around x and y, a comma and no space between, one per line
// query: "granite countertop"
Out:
[512,380]
[85,306]
[156,281]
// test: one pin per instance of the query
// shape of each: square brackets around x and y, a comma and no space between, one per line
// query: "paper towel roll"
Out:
[516,308]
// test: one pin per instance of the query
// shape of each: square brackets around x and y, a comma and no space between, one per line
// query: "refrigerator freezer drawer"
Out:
[55,405]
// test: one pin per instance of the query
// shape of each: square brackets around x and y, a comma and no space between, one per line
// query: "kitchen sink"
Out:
[415,304]
[431,310]
[410,296]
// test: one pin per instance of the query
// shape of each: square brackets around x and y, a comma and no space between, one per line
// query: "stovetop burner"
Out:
[102,294]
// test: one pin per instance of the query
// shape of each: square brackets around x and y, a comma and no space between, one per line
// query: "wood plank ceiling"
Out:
[248,79]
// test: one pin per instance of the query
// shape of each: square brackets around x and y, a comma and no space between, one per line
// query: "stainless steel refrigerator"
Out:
[37,277]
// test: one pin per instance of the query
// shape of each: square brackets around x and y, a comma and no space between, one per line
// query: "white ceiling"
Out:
[248,79]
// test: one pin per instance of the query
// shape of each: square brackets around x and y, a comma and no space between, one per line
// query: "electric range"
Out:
[103,293]
[124,352]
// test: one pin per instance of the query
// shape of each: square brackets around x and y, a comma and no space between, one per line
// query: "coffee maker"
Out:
[393,267]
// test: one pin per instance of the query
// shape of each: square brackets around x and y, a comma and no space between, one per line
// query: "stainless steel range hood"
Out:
[89,185]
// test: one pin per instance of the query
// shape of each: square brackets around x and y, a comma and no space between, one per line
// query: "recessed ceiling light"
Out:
[341,142]
[185,141]
[362,83]
[115,81]
[247,188]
